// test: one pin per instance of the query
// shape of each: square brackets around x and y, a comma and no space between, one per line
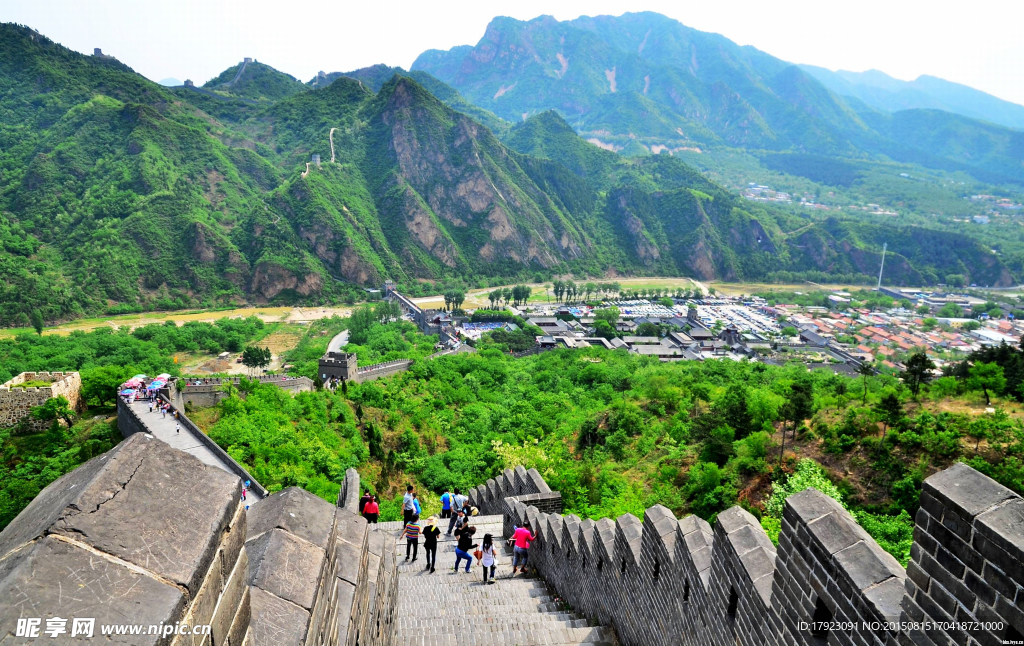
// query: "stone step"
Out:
[510,637]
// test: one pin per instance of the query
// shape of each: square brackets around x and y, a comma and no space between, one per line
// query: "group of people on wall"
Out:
[457,510]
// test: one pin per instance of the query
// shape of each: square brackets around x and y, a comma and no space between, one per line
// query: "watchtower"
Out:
[338,365]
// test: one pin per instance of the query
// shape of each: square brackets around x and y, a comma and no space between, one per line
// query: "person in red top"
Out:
[522,536]
[371,510]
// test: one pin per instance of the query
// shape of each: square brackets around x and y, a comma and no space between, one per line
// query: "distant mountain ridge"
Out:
[117,193]
[646,82]
[883,92]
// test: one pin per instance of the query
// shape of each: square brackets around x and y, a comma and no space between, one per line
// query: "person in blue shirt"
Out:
[446,504]
[416,504]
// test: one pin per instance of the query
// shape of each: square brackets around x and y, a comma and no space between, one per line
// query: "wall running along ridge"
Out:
[668,581]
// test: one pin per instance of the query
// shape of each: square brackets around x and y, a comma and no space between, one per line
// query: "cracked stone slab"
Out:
[144,502]
[54,578]
[285,566]
[297,511]
[275,622]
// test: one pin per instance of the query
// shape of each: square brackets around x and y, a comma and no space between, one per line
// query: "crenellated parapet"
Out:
[662,580]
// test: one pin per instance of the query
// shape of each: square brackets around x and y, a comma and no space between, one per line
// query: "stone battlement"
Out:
[663,580]
[16,403]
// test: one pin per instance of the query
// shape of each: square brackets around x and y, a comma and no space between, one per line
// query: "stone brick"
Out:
[54,578]
[285,566]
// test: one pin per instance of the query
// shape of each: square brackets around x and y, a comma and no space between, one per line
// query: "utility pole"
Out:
[879,287]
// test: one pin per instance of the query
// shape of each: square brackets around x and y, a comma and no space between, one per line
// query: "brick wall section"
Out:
[829,565]
[693,548]
[157,537]
[165,547]
[318,575]
[209,394]
[665,581]
[348,495]
[378,370]
[966,562]
[16,404]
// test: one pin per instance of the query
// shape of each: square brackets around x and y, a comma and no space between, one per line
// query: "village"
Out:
[840,334]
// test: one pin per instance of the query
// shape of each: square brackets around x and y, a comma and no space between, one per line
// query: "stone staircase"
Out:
[457,609]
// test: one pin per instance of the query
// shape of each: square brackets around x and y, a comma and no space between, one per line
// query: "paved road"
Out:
[162,428]
[338,342]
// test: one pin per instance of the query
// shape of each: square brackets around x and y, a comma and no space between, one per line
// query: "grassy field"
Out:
[268,314]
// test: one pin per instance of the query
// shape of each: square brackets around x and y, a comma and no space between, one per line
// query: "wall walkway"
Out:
[136,418]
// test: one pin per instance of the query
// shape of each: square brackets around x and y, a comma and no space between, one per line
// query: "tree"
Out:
[923,309]
[970,326]
[55,408]
[866,370]
[918,372]
[890,411]
[37,321]
[905,303]
[951,311]
[254,357]
[101,383]
[494,297]
[608,314]
[985,377]
[708,489]
[956,280]
[929,324]
[667,302]
[797,408]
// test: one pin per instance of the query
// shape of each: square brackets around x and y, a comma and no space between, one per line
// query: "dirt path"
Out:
[330,136]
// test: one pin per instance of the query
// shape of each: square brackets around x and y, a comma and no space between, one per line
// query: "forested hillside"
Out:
[117,194]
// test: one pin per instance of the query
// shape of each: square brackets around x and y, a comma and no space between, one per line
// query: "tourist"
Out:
[177,427]
[457,503]
[430,534]
[446,504]
[488,557]
[365,499]
[372,510]
[465,536]
[408,509]
[412,537]
[416,504]
[521,536]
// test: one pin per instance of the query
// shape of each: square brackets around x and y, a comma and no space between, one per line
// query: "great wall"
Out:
[155,532]
[18,400]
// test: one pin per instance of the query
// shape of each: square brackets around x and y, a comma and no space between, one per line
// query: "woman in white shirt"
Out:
[489,557]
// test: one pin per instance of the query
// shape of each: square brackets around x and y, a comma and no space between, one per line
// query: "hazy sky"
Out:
[977,43]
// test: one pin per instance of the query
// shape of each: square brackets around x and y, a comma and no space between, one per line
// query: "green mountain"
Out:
[252,80]
[375,76]
[118,194]
[883,92]
[642,82]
